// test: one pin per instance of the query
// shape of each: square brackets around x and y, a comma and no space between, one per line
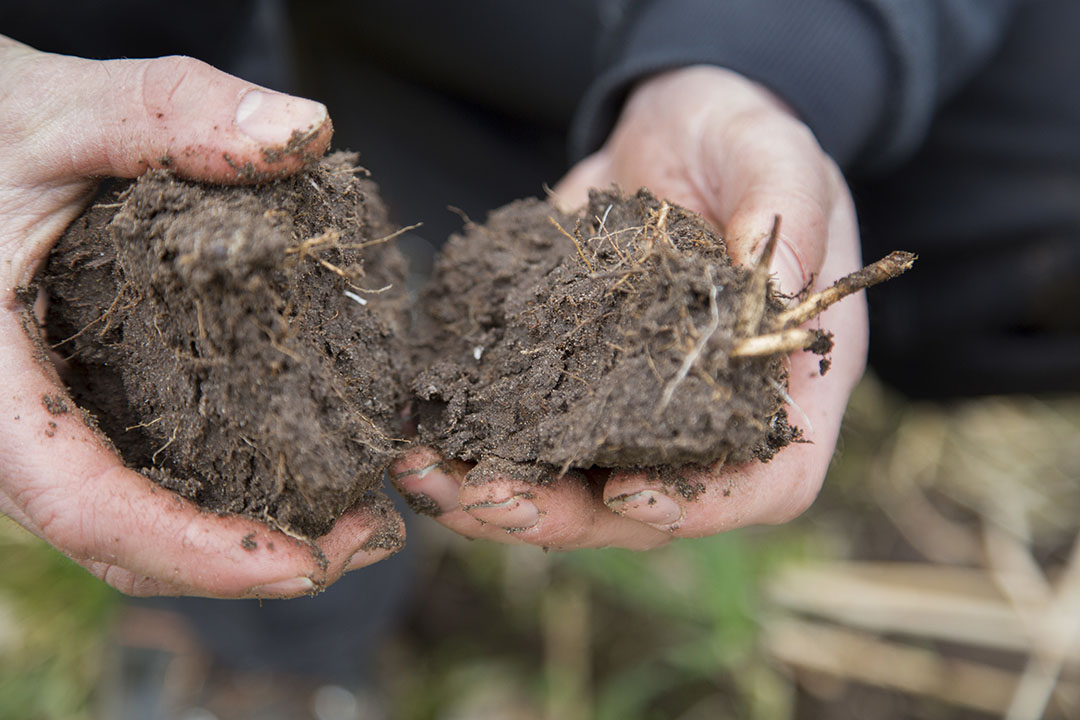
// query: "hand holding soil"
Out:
[718,144]
[63,122]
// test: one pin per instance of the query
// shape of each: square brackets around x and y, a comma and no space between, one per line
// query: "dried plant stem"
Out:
[785,341]
[753,309]
[890,266]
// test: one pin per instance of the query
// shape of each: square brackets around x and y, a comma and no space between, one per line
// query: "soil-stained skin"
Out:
[602,339]
[239,345]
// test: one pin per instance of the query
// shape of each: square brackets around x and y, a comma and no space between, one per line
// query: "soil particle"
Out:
[210,333]
[421,504]
[55,404]
[248,542]
[388,535]
[553,341]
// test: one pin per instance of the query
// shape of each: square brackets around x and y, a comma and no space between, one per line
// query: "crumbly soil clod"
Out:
[225,353]
[603,339]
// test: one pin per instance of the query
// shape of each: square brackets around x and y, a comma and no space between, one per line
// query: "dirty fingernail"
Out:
[517,513]
[648,506]
[272,118]
[427,487]
[284,588]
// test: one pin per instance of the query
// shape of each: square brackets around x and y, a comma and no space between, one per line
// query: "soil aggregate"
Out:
[240,346]
[557,341]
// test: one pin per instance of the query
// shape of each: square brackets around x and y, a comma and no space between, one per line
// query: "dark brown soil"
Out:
[603,339]
[239,345]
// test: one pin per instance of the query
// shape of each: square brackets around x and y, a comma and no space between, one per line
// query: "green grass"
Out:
[53,621]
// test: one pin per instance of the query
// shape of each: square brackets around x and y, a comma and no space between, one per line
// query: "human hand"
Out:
[63,122]
[712,141]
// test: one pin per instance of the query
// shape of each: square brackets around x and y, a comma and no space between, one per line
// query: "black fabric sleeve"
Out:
[865,75]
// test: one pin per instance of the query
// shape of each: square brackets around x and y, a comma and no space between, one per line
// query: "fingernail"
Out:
[648,506]
[273,118]
[284,588]
[429,484]
[363,558]
[517,513]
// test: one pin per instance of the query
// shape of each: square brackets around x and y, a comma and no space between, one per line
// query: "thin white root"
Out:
[355,298]
[695,353]
[788,399]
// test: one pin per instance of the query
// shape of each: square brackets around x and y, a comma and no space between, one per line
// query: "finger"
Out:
[431,486]
[535,507]
[371,531]
[121,117]
[764,166]
[75,493]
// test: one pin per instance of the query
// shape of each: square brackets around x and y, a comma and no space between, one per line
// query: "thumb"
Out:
[121,117]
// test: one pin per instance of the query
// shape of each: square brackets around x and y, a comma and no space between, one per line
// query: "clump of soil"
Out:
[623,336]
[241,346]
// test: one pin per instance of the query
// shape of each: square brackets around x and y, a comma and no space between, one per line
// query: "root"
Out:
[783,393]
[129,428]
[576,243]
[783,342]
[695,353]
[330,237]
[753,309]
[378,241]
[892,265]
[153,458]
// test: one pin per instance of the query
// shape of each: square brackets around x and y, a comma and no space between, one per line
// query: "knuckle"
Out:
[164,78]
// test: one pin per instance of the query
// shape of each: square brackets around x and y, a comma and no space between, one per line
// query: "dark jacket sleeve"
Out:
[865,75]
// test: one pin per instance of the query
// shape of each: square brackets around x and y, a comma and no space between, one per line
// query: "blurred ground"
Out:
[936,577]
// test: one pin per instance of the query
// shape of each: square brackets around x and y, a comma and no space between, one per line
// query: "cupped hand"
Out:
[719,144]
[64,122]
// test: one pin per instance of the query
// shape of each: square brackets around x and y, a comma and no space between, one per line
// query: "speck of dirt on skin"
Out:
[422,504]
[51,432]
[55,404]
[165,160]
[294,146]
[386,539]
[248,542]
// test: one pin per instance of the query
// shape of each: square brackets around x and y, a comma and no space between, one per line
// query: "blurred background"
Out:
[937,576]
